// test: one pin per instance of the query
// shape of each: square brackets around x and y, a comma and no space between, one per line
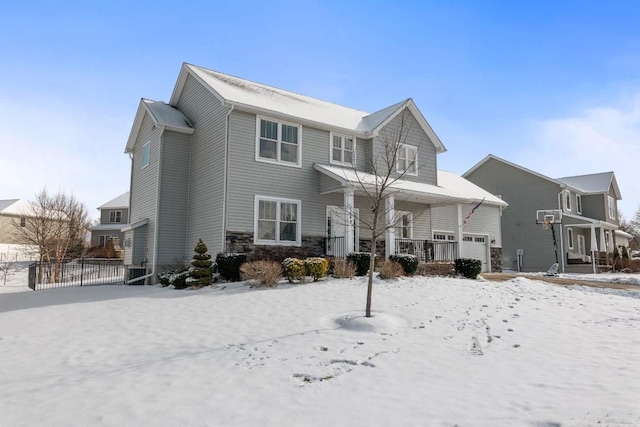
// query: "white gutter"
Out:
[225,182]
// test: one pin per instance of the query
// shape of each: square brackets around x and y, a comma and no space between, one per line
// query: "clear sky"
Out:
[551,85]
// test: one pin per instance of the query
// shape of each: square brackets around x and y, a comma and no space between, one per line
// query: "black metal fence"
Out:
[76,272]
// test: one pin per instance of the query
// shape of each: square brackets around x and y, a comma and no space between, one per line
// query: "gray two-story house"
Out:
[114,215]
[252,168]
[582,229]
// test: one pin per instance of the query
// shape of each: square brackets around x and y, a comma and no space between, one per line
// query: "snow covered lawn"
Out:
[438,352]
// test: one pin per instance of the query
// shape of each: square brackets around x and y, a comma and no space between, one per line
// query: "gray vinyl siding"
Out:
[593,206]
[413,135]
[248,177]
[328,184]
[606,203]
[364,150]
[525,193]
[144,184]
[174,197]
[206,183]
[485,221]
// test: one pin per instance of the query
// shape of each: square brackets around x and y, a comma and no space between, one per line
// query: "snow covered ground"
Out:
[438,352]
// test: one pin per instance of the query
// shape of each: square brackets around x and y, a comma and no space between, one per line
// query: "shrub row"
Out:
[296,269]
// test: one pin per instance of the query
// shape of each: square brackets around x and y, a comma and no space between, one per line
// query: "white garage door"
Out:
[476,247]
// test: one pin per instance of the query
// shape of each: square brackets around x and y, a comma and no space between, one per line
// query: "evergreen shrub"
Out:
[408,262]
[469,268]
[228,265]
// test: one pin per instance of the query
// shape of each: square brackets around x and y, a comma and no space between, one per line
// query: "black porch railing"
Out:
[77,272]
[335,246]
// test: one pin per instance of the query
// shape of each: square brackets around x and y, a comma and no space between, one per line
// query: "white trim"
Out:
[407,148]
[611,207]
[578,204]
[343,138]
[566,198]
[398,224]
[277,241]
[570,238]
[279,142]
[115,215]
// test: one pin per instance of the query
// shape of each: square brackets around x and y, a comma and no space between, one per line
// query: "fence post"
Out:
[81,269]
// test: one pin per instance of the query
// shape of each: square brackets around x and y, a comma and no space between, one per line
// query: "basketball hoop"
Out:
[546,224]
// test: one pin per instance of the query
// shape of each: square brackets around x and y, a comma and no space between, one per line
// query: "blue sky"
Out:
[551,85]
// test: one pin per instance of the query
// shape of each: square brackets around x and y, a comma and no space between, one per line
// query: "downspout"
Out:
[562,254]
[225,183]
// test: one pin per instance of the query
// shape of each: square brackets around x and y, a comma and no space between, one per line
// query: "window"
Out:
[579,204]
[277,221]
[612,207]
[115,217]
[146,154]
[444,236]
[23,222]
[570,238]
[407,160]
[343,150]
[278,142]
[405,225]
[103,240]
[567,201]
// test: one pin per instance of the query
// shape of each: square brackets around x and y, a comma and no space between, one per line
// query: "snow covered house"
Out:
[114,215]
[256,169]
[581,212]
[14,212]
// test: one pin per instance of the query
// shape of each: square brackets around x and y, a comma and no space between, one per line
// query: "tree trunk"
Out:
[372,261]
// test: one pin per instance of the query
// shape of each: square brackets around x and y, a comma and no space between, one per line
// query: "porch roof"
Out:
[451,188]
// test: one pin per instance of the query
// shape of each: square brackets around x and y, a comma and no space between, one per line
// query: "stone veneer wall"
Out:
[496,260]
[243,242]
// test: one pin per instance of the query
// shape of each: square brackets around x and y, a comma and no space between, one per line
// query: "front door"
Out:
[581,245]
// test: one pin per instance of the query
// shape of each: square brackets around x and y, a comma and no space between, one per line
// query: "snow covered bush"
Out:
[390,270]
[316,267]
[343,269]
[293,269]
[200,271]
[229,265]
[469,268]
[263,273]
[442,269]
[408,262]
[174,277]
[361,261]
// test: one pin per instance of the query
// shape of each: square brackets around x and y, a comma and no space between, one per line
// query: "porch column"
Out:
[594,247]
[459,230]
[390,219]
[603,242]
[349,232]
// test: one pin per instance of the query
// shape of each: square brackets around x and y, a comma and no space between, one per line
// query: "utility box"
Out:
[134,273]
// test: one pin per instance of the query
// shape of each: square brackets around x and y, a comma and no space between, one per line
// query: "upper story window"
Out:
[278,142]
[612,207]
[567,201]
[405,225]
[277,221]
[407,160]
[146,154]
[343,150]
[578,204]
[115,217]
[23,222]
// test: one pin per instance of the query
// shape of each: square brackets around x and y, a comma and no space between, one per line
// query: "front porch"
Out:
[424,249]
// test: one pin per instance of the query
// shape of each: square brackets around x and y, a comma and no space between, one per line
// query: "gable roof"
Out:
[451,187]
[163,115]
[122,201]
[14,207]
[595,183]
[259,98]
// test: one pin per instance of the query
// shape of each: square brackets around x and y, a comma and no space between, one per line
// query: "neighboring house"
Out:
[584,207]
[113,216]
[14,212]
[252,168]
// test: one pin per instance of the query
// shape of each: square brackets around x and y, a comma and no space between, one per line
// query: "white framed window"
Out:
[278,142]
[567,201]
[404,225]
[343,150]
[115,217]
[407,161]
[443,235]
[146,155]
[570,238]
[277,221]
[612,207]
[579,204]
